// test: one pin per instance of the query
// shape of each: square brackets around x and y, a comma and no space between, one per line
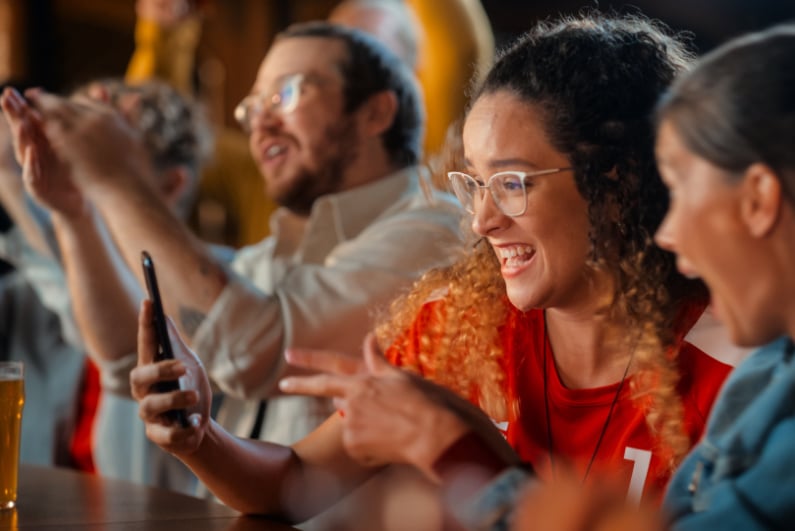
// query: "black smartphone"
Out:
[164,351]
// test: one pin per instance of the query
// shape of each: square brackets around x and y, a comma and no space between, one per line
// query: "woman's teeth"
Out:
[515,255]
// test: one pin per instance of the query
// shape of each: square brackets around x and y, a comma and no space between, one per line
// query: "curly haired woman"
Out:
[565,320]
[591,342]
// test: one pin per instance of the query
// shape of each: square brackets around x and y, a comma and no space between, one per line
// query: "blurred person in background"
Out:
[177,140]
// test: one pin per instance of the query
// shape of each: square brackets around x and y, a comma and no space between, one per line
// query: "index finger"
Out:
[323,385]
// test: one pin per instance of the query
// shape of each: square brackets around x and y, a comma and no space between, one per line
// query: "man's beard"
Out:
[342,144]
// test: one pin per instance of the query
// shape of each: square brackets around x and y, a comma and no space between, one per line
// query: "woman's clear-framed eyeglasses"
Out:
[282,100]
[507,188]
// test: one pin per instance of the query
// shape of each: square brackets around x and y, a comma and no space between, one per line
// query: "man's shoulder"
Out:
[418,195]
[418,200]
[401,201]
[418,217]
[437,210]
[251,255]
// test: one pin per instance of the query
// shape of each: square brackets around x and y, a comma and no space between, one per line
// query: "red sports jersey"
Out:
[577,416]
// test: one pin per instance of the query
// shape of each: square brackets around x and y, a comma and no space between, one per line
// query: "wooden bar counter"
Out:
[56,498]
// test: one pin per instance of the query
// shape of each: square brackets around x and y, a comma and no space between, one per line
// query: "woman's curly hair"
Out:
[595,79]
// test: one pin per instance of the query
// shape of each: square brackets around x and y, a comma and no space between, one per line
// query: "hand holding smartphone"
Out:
[164,351]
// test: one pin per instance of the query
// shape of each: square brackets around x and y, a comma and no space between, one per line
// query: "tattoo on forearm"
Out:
[190,320]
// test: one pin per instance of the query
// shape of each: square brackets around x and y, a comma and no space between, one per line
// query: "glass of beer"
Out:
[12,397]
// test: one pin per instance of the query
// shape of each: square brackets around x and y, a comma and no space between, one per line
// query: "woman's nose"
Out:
[487,216]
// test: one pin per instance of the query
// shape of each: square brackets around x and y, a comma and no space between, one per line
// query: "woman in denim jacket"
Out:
[725,150]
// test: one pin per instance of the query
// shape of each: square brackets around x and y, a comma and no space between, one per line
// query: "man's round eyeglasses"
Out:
[508,189]
[282,100]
